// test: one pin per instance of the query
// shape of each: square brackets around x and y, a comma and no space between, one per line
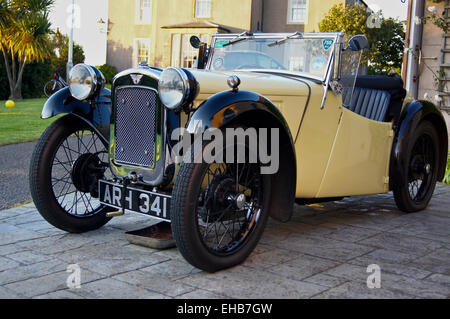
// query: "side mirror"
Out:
[195,41]
[358,42]
[202,52]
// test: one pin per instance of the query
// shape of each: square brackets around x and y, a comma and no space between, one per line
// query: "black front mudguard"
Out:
[253,110]
[96,113]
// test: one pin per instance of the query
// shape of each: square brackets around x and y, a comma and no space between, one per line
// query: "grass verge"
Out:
[23,122]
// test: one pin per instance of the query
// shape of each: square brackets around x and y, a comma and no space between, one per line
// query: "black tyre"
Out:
[66,164]
[413,192]
[219,212]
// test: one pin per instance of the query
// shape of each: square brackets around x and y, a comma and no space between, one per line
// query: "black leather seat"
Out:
[375,97]
[370,103]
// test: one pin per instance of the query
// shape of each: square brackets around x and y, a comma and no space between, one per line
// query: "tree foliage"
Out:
[386,36]
[60,48]
[108,71]
[24,38]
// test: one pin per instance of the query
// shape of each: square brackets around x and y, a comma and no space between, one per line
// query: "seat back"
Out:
[370,103]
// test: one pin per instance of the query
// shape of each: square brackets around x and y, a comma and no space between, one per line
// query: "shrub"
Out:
[35,75]
[108,71]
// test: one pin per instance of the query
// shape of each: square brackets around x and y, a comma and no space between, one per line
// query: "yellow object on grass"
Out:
[9,104]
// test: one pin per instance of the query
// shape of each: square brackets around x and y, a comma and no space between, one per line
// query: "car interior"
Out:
[377,97]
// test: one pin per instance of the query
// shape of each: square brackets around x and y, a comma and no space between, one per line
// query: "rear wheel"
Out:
[219,212]
[66,164]
[414,192]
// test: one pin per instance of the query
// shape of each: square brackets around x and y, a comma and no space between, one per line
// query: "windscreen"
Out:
[306,56]
[344,82]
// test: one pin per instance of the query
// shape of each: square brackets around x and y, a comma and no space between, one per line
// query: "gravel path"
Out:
[14,165]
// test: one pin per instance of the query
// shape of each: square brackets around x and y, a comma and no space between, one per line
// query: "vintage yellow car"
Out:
[268,119]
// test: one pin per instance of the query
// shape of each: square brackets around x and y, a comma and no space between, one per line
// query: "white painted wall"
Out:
[87,32]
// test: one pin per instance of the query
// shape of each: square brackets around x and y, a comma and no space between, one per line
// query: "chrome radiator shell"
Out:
[138,127]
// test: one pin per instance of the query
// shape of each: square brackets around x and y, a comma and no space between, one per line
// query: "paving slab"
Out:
[239,282]
[323,252]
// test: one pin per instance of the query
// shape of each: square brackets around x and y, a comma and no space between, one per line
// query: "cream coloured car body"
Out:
[338,152]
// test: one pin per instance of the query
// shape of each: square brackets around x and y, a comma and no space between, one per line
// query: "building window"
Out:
[203,8]
[183,54]
[298,11]
[141,51]
[143,11]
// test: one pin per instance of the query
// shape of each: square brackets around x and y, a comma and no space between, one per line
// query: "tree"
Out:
[386,36]
[60,48]
[24,38]
[387,46]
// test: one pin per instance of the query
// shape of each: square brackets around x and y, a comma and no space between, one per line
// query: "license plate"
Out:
[136,200]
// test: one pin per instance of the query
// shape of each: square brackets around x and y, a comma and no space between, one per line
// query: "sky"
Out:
[390,8]
[87,32]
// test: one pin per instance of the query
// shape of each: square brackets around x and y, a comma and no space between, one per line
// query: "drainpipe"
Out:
[262,15]
[405,55]
[415,47]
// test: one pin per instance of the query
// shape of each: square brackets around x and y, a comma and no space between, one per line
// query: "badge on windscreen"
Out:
[327,43]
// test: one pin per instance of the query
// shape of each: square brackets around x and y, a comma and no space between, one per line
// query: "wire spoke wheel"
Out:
[69,163]
[415,186]
[230,206]
[219,210]
[421,168]
[65,167]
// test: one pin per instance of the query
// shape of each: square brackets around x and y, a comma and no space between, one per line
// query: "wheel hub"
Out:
[86,171]
[237,200]
[222,199]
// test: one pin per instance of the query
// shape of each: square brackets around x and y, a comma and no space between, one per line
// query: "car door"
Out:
[359,159]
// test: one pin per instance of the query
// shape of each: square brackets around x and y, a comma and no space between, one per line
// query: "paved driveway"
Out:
[14,165]
[323,252]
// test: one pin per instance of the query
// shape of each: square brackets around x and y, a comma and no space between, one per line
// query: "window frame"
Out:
[289,11]
[137,18]
[196,2]
[136,49]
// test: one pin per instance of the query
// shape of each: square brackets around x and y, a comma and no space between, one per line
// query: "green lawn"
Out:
[23,122]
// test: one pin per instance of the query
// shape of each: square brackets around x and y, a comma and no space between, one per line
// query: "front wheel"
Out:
[219,212]
[413,191]
[65,167]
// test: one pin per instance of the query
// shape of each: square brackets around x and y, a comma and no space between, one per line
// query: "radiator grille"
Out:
[135,126]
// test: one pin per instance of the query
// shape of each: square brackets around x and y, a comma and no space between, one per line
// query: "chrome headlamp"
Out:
[177,88]
[85,81]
